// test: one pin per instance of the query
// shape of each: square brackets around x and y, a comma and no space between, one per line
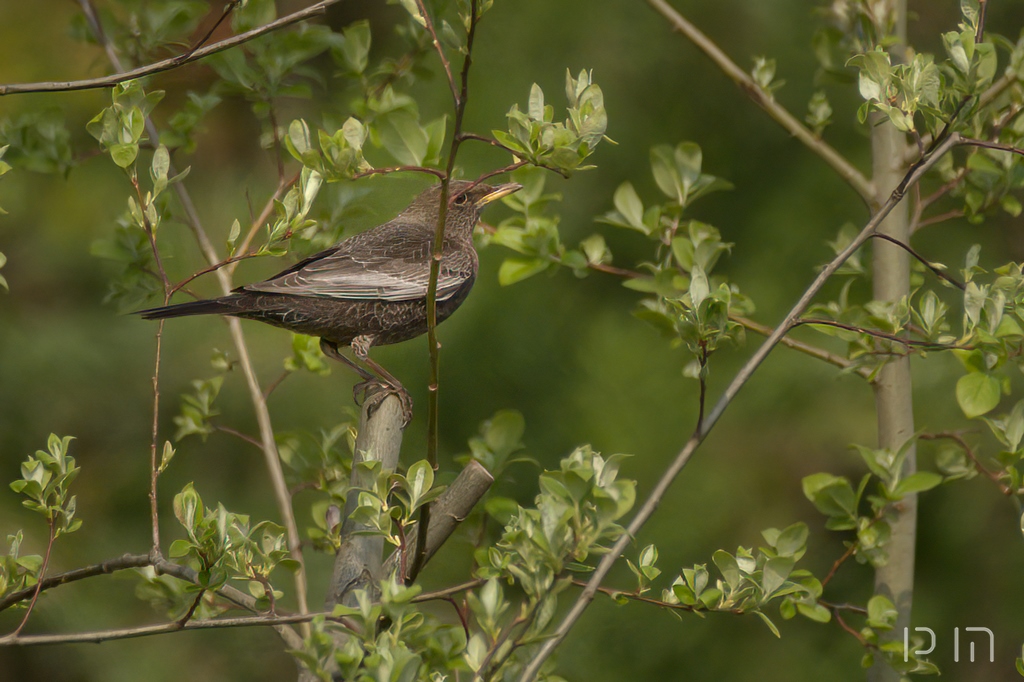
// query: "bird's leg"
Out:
[375,378]
[361,349]
[331,350]
[369,381]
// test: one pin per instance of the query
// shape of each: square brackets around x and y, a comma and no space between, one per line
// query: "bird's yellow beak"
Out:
[499,192]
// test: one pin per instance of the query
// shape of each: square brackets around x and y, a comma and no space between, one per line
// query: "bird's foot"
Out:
[372,393]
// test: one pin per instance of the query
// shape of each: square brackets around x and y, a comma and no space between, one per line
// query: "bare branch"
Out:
[446,513]
[166,64]
[928,264]
[105,568]
[847,171]
[806,348]
[165,628]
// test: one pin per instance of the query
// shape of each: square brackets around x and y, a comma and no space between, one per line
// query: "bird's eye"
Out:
[461,199]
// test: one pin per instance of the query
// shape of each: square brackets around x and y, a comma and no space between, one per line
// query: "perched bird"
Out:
[370,289]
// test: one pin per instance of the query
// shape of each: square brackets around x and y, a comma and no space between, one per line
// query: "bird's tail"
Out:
[213,306]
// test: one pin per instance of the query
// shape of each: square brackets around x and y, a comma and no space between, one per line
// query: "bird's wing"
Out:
[390,270]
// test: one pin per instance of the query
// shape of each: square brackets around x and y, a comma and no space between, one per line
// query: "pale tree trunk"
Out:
[893,400]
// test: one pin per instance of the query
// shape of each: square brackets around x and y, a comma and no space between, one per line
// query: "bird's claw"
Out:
[372,393]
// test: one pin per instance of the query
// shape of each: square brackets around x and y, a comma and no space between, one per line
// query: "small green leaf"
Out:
[918,482]
[517,269]
[767,621]
[977,393]
[776,570]
[815,612]
[627,202]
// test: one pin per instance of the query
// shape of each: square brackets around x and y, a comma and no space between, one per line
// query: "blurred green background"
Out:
[564,351]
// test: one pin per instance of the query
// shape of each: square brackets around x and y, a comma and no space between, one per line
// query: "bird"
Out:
[369,289]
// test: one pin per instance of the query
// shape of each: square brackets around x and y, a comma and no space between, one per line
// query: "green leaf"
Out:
[666,175]
[628,203]
[832,496]
[776,570]
[792,539]
[728,566]
[404,137]
[179,548]
[124,154]
[977,393]
[767,621]
[517,269]
[918,482]
[815,612]
[881,613]
[354,46]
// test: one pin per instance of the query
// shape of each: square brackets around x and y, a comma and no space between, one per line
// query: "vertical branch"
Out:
[434,347]
[154,463]
[892,389]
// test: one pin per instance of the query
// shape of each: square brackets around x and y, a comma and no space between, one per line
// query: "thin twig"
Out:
[429,25]
[843,624]
[958,438]
[154,463]
[895,338]
[166,64]
[183,621]
[940,218]
[839,562]
[238,434]
[980,34]
[209,34]
[39,585]
[806,348]
[439,174]
[988,144]
[447,592]
[683,457]
[261,219]
[924,261]
[864,187]
[166,628]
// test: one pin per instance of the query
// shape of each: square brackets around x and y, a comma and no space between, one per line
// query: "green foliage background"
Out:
[563,351]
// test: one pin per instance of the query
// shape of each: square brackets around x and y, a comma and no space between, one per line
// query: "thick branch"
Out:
[166,64]
[446,513]
[780,114]
[357,565]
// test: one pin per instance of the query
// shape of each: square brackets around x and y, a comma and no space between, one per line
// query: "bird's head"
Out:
[466,200]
